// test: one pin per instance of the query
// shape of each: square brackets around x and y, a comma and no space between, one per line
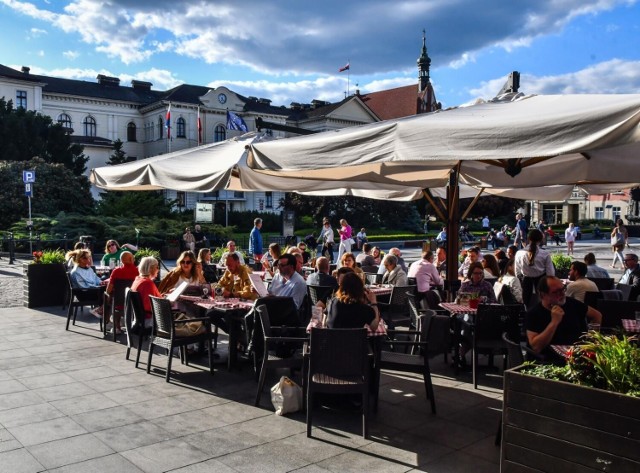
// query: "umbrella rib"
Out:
[436,208]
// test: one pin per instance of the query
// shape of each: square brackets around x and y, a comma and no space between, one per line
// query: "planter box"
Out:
[44,285]
[557,426]
[169,252]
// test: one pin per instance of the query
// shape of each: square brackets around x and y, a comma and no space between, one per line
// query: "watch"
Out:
[222,98]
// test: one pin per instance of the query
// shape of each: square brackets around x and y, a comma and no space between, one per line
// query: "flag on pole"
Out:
[199,128]
[345,68]
[168,122]
[235,122]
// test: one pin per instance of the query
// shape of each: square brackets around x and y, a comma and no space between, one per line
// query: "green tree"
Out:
[25,134]
[119,156]
[56,189]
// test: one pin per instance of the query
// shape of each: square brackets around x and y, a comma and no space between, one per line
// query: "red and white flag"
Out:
[168,122]
[199,127]
[345,68]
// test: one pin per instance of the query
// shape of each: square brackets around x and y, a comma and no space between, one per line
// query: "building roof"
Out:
[393,103]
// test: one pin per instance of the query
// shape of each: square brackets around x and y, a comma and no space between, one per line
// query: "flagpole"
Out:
[168,123]
[199,127]
[348,75]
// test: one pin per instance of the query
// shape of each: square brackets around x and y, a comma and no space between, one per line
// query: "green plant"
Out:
[561,261]
[609,362]
[48,257]
[142,252]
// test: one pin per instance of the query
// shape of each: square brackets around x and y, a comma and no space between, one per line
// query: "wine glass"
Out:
[205,292]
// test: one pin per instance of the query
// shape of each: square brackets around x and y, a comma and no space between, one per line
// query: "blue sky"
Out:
[289,50]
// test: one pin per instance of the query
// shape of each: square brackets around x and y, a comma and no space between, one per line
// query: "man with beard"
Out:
[557,319]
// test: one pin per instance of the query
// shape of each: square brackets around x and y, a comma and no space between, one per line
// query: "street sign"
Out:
[28,190]
[28,176]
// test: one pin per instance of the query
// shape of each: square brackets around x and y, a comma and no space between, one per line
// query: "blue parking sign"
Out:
[28,176]
[28,189]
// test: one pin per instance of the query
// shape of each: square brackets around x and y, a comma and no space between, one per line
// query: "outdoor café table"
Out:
[455,310]
[631,325]
[234,311]
[380,290]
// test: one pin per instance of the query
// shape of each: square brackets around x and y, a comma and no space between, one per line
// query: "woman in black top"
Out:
[353,306]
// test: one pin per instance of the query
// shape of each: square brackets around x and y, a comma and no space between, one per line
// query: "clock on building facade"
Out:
[222,98]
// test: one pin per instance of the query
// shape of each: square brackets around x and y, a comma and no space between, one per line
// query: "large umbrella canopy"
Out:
[532,141]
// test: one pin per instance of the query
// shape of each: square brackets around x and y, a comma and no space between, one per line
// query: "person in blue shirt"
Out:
[255,240]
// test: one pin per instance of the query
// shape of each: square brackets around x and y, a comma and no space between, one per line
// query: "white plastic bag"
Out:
[286,396]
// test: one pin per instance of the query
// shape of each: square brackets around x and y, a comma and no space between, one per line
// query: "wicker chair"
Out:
[396,312]
[271,358]
[91,297]
[417,361]
[114,304]
[338,363]
[604,283]
[163,334]
[134,322]
[439,336]
[319,293]
[614,311]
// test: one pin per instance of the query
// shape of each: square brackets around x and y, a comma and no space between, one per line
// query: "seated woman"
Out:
[377,255]
[490,265]
[187,270]
[144,284]
[70,263]
[209,270]
[84,277]
[349,261]
[353,306]
[510,280]
[270,265]
[475,284]
[113,252]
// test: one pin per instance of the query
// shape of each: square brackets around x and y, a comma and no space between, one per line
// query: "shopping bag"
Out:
[286,396]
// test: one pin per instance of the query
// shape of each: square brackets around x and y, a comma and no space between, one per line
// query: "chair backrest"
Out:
[282,310]
[603,283]
[591,298]
[263,316]
[492,320]
[412,281]
[319,293]
[399,295]
[119,287]
[612,295]
[162,316]
[339,352]
[626,290]
[516,357]
[434,328]
[134,311]
[614,311]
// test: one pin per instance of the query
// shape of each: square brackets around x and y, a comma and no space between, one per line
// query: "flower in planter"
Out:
[48,257]
[37,256]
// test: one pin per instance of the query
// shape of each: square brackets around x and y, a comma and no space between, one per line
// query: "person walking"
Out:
[345,238]
[327,239]
[570,236]
[255,240]
[618,240]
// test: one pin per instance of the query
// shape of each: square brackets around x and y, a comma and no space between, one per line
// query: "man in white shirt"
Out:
[579,283]
[287,282]
[231,248]
[425,272]
[485,223]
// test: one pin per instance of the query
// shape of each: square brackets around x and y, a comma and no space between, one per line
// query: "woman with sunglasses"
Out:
[476,283]
[112,252]
[187,270]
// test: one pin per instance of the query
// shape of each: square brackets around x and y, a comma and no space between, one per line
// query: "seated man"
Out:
[322,276]
[365,259]
[556,319]
[288,282]
[394,274]
[442,237]
[472,256]
[235,280]
[579,283]
[361,238]
[593,270]
[425,272]
[400,260]
[631,275]
[231,249]
[128,271]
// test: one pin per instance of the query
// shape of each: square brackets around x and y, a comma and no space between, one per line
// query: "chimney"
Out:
[141,85]
[106,80]
[25,70]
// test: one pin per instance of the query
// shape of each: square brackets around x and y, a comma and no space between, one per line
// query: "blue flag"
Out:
[234,122]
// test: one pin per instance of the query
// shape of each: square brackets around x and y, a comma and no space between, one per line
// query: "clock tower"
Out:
[424,63]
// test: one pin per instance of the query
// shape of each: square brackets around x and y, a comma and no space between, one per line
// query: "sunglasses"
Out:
[112,244]
[186,262]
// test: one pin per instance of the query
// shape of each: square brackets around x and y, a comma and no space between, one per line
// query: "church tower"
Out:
[424,63]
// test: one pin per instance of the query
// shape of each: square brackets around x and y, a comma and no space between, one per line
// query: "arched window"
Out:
[219,134]
[182,128]
[160,126]
[65,121]
[131,132]
[89,124]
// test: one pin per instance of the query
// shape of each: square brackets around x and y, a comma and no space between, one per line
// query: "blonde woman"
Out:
[618,240]
[345,238]
[187,269]
[349,261]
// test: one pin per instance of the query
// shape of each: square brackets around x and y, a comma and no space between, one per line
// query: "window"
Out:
[212,194]
[131,132]
[182,127]
[219,134]
[89,124]
[268,196]
[65,121]
[238,194]
[616,211]
[600,213]
[160,125]
[21,99]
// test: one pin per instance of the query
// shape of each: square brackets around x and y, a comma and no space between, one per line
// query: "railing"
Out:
[13,246]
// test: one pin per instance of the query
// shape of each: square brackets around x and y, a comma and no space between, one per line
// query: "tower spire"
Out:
[424,63]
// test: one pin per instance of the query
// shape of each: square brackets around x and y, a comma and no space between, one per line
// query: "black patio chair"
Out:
[79,298]
[396,312]
[134,322]
[114,305]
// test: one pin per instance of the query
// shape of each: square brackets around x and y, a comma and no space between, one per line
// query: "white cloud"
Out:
[71,55]
[37,32]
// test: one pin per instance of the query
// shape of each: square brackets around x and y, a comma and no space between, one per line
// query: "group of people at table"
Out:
[558,317]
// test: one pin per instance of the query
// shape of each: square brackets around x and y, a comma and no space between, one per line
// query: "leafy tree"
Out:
[56,189]
[25,134]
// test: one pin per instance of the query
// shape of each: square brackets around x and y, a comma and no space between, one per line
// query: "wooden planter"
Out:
[44,285]
[557,426]
[169,252]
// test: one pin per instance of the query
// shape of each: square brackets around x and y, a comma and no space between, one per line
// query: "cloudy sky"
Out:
[289,50]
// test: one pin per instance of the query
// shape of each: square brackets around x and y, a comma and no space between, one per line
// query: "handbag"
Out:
[188,329]
[352,241]
[286,396]
[617,239]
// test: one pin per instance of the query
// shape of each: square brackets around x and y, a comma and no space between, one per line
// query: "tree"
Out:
[56,189]
[119,156]
[25,134]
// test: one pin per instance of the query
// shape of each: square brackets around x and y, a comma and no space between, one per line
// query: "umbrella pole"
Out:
[453,203]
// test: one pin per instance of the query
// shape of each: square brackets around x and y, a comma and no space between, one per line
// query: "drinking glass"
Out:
[593,327]
[205,292]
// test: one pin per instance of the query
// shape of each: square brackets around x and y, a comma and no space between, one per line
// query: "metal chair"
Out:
[338,363]
[603,283]
[271,358]
[396,312]
[163,334]
[439,336]
[319,293]
[114,304]
[134,322]
[614,311]
[79,298]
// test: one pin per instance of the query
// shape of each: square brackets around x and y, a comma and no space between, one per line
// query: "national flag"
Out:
[168,122]
[345,68]
[199,127]
[235,122]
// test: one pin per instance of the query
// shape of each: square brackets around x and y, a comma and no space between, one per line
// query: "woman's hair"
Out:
[500,254]
[473,266]
[108,243]
[343,221]
[373,250]
[187,254]
[351,290]
[347,255]
[77,255]
[202,253]
[535,238]
[146,266]
[275,248]
[78,246]
[344,270]
[491,263]
[510,264]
